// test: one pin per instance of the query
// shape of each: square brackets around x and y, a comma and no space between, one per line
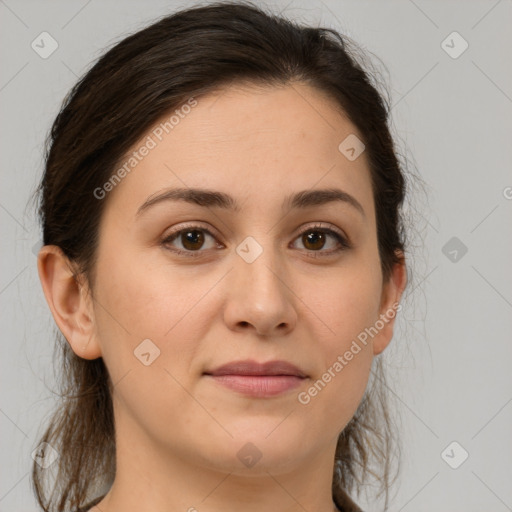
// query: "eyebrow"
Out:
[213,198]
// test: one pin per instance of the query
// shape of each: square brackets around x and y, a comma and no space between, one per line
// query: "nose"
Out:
[260,297]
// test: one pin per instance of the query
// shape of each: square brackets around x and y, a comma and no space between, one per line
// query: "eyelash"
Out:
[342,241]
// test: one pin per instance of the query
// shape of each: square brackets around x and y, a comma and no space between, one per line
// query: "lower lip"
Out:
[259,385]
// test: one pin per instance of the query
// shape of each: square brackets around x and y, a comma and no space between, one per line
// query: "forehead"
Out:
[256,143]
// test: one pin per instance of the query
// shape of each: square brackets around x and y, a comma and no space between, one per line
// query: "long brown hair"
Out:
[136,82]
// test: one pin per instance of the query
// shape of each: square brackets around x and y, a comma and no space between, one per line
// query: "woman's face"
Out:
[256,275]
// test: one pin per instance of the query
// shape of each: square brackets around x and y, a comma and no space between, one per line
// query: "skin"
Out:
[178,433]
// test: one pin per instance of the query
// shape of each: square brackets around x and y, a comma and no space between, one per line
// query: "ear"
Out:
[392,291]
[69,301]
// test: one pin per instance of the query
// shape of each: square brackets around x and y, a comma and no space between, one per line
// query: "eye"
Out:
[191,239]
[316,238]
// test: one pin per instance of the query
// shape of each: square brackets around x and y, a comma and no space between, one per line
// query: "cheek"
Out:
[148,299]
[348,302]
[138,302]
[347,306]
[141,303]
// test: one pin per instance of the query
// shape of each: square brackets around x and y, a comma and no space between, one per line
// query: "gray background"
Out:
[450,360]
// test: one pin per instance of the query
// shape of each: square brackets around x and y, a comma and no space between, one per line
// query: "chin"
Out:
[259,445]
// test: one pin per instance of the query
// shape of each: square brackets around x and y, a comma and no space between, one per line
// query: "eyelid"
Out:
[192,225]
[343,241]
[327,227]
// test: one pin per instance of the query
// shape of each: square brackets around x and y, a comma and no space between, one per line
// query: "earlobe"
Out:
[69,302]
[390,304]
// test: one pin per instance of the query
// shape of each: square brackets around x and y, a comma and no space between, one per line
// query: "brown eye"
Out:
[192,239]
[313,240]
[317,238]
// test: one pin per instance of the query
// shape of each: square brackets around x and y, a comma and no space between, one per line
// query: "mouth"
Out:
[258,380]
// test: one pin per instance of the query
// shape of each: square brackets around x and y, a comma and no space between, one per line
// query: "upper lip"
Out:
[250,367]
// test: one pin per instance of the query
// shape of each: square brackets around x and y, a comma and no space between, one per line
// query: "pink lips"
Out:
[258,379]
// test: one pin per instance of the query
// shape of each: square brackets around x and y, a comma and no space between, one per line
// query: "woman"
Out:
[224,257]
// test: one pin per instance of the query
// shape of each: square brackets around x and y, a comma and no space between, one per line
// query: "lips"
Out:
[253,368]
[258,380]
